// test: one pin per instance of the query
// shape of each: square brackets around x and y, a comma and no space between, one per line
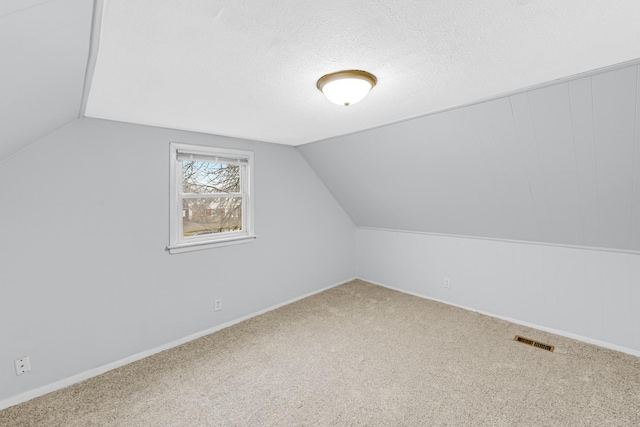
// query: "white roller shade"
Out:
[190,157]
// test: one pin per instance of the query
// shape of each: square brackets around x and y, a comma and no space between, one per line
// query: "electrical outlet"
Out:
[23,365]
[218,305]
[447,282]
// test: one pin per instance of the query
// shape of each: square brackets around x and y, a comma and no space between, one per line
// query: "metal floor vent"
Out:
[534,343]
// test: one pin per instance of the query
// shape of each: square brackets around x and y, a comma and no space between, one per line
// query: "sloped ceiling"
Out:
[248,68]
[43,51]
[559,164]
[555,164]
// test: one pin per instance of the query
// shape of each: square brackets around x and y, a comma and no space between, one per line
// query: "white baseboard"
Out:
[587,340]
[66,382]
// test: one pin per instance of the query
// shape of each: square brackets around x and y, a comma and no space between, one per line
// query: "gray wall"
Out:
[85,276]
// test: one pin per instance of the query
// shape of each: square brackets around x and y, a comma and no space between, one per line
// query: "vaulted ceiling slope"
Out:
[558,164]
[43,50]
[248,68]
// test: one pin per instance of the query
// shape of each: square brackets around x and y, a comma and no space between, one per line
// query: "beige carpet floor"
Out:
[357,355]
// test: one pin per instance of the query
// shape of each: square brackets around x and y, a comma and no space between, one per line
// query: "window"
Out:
[211,198]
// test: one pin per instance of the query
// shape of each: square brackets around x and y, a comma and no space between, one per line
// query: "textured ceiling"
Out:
[248,68]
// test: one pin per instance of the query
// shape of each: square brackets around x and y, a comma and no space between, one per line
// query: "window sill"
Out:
[198,246]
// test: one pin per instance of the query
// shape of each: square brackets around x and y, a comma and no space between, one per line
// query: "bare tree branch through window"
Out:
[210,214]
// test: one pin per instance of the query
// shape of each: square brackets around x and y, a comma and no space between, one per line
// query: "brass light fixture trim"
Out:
[347,75]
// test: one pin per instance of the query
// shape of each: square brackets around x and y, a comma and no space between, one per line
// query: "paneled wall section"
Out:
[559,164]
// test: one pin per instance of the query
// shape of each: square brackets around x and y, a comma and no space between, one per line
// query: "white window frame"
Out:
[177,242]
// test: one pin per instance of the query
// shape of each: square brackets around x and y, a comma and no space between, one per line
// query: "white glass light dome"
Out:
[346,87]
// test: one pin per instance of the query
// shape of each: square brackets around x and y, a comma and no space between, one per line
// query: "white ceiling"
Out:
[248,68]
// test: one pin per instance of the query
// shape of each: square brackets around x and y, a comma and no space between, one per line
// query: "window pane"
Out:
[207,177]
[211,215]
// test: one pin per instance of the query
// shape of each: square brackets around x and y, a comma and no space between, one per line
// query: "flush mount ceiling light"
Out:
[346,87]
